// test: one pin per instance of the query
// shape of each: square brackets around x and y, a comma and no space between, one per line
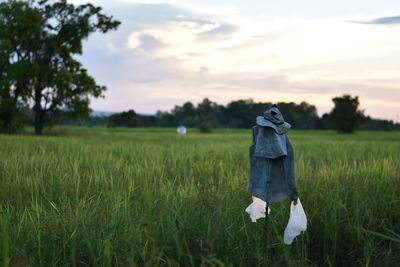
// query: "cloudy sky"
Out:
[167,52]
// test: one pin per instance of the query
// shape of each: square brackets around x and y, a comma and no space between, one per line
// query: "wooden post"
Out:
[265,235]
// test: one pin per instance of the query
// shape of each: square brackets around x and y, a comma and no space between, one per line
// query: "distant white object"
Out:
[256,210]
[297,223]
[181,130]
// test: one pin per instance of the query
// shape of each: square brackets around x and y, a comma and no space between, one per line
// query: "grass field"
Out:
[147,197]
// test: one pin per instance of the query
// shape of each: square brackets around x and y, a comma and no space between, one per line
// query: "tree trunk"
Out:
[39,121]
[39,113]
[38,127]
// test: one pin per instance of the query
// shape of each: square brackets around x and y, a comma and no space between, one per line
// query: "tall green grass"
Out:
[97,197]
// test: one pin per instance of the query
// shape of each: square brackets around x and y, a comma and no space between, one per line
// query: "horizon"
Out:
[320,114]
[168,52]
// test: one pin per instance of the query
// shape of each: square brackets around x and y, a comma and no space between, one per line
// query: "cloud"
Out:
[222,31]
[381,21]
[182,35]
[111,47]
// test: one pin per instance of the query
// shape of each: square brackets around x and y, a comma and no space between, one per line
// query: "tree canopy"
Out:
[346,116]
[235,114]
[38,42]
[208,114]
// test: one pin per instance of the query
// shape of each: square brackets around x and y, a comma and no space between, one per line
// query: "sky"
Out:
[168,52]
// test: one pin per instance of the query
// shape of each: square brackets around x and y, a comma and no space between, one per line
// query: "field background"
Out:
[148,197]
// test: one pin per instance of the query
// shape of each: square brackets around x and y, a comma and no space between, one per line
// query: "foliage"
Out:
[242,114]
[10,115]
[379,124]
[302,116]
[129,119]
[346,116]
[38,42]
[204,127]
[126,119]
[13,73]
[236,114]
[146,197]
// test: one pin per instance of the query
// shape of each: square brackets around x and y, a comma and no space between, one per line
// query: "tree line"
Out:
[344,117]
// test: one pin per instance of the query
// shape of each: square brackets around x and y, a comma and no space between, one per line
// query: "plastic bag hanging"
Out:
[256,210]
[297,223]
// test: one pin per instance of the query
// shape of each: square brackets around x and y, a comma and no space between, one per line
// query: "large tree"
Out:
[19,25]
[346,116]
[38,42]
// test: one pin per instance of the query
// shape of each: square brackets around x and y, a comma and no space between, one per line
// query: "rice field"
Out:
[148,197]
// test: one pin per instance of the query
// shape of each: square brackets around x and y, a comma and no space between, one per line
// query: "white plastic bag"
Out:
[297,223]
[256,210]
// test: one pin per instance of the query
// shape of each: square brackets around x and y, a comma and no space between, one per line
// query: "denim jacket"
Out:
[272,166]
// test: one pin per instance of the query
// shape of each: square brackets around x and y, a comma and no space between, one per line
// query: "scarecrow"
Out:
[272,172]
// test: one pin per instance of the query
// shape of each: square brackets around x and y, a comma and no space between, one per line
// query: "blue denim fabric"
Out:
[272,169]
[268,144]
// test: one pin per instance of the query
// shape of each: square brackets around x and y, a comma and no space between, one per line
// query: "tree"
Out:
[345,116]
[379,124]
[189,117]
[185,115]
[38,42]
[124,119]
[19,25]
[239,114]
[300,116]
[207,112]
